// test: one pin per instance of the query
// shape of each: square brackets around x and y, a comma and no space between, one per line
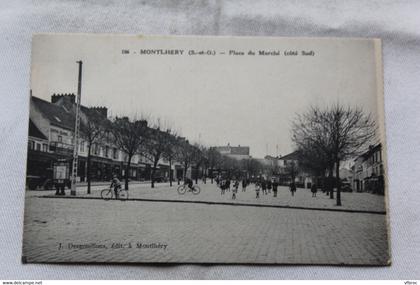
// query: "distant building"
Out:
[368,172]
[236,152]
[346,174]
[290,163]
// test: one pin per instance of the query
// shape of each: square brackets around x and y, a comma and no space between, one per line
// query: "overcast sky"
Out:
[241,100]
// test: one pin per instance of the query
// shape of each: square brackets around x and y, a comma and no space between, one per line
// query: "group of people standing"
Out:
[225,185]
[262,185]
[266,186]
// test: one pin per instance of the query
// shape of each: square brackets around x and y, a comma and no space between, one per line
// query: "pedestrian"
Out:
[222,185]
[275,185]
[235,189]
[264,186]
[116,184]
[227,184]
[257,189]
[293,188]
[269,186]
[314,189]
[244,184]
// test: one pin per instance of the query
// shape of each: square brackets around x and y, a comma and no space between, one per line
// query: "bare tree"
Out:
[315,162]
[185,154]
[251,166]
[214,159]
[93,129]
[197,159]
[157,146]
[292,170]
[338,132]
[129,136]
[171,148]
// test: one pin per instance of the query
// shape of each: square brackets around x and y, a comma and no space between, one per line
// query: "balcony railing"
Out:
[61,148]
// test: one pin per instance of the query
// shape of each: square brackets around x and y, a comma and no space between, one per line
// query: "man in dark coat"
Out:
[275,185]
[293,188]
[314,189]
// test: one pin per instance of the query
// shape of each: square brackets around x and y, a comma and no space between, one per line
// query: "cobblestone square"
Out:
[90,229]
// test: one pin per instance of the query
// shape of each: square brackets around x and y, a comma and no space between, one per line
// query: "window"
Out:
[38,146]
[115,155]
[60,138]
[82,146]
[44,147]
[106,151]
[31,144]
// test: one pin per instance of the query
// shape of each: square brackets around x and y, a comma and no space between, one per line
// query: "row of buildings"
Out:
[367,172]
[51,140]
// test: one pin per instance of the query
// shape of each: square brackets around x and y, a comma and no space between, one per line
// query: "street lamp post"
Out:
[76,133]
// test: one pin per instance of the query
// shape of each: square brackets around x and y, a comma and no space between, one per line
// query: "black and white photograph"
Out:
[206,149]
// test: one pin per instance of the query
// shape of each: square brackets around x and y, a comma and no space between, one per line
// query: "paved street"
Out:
[94,230]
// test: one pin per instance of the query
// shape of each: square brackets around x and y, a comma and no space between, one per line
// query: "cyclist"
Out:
[116,184]
[189,183]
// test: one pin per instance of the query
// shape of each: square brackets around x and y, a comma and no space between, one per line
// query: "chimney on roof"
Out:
[65,96]
[101,110]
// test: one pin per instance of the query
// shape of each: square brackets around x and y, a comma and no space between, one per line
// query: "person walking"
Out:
[235,189]
[222,185]
[275,186]
[314,189]
[116,184]
[293,188]
[257,189]
[244,184]
[264,186]
[269,185]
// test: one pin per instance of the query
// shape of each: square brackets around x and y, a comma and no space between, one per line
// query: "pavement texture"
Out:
[94,230]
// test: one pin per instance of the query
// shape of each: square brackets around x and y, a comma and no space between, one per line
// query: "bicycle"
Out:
[108,194]
[183,188]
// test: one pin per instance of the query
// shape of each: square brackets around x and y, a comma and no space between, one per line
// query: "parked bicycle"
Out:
[184,188]
[108,194]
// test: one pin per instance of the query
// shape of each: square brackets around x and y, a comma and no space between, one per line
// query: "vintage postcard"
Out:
[227,150]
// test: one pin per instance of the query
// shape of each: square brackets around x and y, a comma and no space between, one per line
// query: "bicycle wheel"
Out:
[196,189]
[182,189]
[123,195]
[106,194]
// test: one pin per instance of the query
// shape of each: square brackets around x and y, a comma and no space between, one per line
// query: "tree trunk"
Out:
[153,172]
[330,182]
[185,170]
[337,174]
[127,172]
[170,172]
[88,170]
[196,174]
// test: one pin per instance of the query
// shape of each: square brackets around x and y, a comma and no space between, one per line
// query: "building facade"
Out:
[368,171]
[51,139]
[236,152]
